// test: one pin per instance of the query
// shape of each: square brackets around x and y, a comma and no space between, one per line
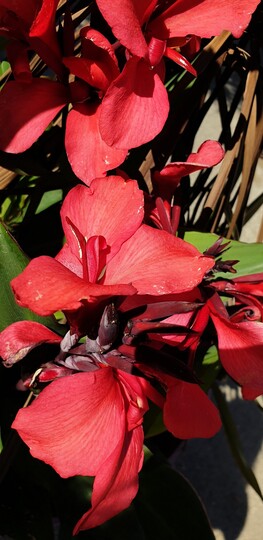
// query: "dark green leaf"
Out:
[12,262]
[153,422]
[168,507]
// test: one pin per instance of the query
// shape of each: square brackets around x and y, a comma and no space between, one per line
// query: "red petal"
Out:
[86,436]
[24,10]
[156,262]
[98,70]
[240,351]
[204,18]
[88,34]
[88,154]
[116,484]
[19,338]
[26,110]
[17,54]
[79,437]
[111,208]
[135,107]
[46,286]
[43,37]
[165,182]
[123,19]
[188,412]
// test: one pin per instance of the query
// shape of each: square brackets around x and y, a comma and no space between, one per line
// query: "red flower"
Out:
[97,426]
[32,25]
[27,108]
[108,252]
[139,88]
[92,426]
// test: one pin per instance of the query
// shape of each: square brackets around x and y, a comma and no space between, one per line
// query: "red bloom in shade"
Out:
[92,426]
[140,97]
[27,108]
[108,252]
[31,24]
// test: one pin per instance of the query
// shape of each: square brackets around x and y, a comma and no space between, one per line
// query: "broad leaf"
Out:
[12,262]
[168,507]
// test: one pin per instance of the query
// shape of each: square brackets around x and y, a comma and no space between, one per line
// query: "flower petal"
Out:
[21,337]
[156,262]
[74,432]
[26,109]
[240,351]
[204,18]
[23,10]
[43,36]
[46,286]
[86,436]
[135,107]
[188,412]
[88,154]
[111,208]
[122,17]
[165,182]
[116,484]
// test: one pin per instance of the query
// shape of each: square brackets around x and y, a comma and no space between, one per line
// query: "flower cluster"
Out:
[114,92]
[138,300]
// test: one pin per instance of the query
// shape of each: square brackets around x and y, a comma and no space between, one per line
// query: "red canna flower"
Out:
[92,427]
[31,25]
[97,426]
[108,252]
[28,107]
[148,30]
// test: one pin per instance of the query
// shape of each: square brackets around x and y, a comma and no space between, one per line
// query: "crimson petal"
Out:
[26,110]
[123,19]
[210,153]
[188,412]
[88,154]
[156,262]
[87,435]
[46,286]
[21,337]
[240,351]
[111,208]
[204,18]
[135,106]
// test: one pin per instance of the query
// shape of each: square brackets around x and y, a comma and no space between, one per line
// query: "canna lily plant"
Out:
[108,334]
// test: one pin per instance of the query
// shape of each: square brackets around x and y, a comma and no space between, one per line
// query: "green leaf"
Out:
[12,262]
[153,422]
[208,371]
[167,505]
[250,256]
[48,199]
[4,65]
[233,440]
